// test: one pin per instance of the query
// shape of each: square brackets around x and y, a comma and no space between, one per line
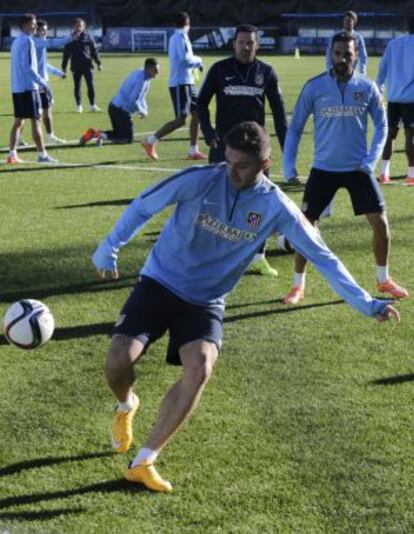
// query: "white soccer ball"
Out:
[28,324]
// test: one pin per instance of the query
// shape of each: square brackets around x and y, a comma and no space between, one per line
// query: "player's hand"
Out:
[63,76]
[99,67]
[389,313]
[101,274]
[214,144]
[142,116]
[200,68]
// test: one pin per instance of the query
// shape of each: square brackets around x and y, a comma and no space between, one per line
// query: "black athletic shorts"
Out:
[46,99]
[152,309]
[399,112]
[365,193]
[27,105]
[184,99]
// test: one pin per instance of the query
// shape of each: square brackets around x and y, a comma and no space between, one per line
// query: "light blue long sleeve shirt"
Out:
[340,125]
[43,67]
[182,61]
[362,61]
[131,96]
[25,75]
[211,237]
[397,70]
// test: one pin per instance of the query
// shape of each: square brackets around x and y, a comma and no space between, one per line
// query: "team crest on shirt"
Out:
[359,97]
[259,79]
[254,220]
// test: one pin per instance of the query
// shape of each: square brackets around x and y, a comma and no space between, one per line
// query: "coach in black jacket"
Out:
[82,52]
[241,85]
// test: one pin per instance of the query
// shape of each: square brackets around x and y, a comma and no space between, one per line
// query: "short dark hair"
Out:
[41,23]
[79,19]
[250,137]
[182,19]
[410,23]
[344,37]
[26,18]
[150,62]
[245,28]
[353,16]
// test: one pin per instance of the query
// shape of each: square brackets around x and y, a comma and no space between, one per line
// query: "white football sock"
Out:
[104,136]
[128,404]
[193,149]
[410,172]
[385,167]
[151,139]
[382,274]
[42,153]
[13,153]
[144,455]
[299,280]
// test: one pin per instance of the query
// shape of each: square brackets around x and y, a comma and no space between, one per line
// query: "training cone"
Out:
[297,53]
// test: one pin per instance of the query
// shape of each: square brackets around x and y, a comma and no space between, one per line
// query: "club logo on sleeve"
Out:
[254,220]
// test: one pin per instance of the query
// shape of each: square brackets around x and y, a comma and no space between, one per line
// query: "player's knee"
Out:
[121,355]
[199,361]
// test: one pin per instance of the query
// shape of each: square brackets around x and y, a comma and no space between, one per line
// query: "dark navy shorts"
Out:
[27,105]
[46,99]
[399,112]
[184,99]
[365,193]
[151,310]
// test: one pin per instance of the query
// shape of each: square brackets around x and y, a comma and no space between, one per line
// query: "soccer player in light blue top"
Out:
[129,101]
[340,101]
[26,82]
[396,70]
[350,20]
[183,93]
[222,213]
[42,44]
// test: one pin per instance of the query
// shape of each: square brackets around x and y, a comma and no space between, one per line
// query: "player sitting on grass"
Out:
[129,100]
[222,212]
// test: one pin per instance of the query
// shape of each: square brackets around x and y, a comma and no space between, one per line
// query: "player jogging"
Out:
[221,213]
[130,100]
[396,69]
[182,90]
[340,101]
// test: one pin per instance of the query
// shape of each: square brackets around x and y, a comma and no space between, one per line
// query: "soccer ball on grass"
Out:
[28,324]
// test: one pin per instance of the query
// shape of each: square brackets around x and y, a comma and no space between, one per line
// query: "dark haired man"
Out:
[83,53]
[350,21]
[396,69]
[222,211]
[130,100]
[182,90]
[241,84]
[26,83]
[341,101]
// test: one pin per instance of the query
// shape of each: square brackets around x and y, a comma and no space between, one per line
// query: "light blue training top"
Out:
[396,69]
[25,75]
[214,232]
[340,123]
[362,61]
[41,45]
[131,96]
[181,59]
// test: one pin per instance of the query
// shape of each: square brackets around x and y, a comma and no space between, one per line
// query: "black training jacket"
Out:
[82,52]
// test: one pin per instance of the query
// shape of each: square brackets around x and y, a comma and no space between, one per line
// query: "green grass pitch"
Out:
[307,423]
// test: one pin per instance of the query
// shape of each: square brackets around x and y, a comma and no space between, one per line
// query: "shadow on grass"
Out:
[393,380]
[12,469]
[119,202]
[110,486]
[39,516]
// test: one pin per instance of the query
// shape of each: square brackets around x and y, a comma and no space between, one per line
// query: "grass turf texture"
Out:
[306,425]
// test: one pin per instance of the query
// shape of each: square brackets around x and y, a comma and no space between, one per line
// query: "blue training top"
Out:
[211,237]
[181,59]
[397,69]
[132,93]
[24,69]
[340,117]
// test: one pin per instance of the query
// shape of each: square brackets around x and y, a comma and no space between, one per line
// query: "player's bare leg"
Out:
[194,153]
[297,291]
[409,150]
[15,133]
[198,358]
[381,245]
[123,353]
[386,155]
[148,144]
